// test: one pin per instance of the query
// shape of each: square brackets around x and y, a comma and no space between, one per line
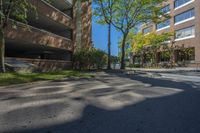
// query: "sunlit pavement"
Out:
[108,103]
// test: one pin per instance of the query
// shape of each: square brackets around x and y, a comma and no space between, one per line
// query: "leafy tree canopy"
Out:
[17,9]
[152,40]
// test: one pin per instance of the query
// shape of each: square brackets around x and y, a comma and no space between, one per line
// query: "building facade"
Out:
[51,35]
[185,23]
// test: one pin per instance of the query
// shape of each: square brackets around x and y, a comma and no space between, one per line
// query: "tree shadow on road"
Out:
[172,113]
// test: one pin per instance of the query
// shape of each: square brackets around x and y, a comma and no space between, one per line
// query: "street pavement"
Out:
[109,103]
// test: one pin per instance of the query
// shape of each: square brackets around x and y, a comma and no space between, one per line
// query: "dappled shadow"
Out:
[159,82]
[116,103]
[101,92]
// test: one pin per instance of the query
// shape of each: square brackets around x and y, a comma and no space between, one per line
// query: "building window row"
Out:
[184,16]
[185,33]
[163,24]
[180,3]
[177,4]
[180,18]
[165,9]
[181,34]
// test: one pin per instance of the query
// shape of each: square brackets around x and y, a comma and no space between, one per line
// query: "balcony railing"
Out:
[46,9]
[62,4]
[33,35]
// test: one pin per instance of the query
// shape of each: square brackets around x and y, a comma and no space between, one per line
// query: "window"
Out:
[178,3]
[163,24]
[184,16]
[147,30]
[165,9]
[185,33]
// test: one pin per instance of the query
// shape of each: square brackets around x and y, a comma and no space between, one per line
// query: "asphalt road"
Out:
[109,103]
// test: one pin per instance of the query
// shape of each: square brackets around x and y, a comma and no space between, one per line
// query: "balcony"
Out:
[62,4]
[49,17]
[34,36]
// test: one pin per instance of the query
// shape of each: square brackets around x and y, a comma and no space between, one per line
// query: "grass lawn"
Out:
[18,78]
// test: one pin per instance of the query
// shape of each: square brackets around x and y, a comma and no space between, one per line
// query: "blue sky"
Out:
[100,37]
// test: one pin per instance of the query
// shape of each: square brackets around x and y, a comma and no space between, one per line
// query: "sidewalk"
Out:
[178,69]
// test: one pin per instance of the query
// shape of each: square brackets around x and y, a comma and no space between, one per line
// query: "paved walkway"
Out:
[177,69]
[110,103]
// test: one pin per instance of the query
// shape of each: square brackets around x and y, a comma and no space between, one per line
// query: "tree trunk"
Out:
[2,51]
[123,52]
[142,59]
[172,55]
[156,58]
[109,45]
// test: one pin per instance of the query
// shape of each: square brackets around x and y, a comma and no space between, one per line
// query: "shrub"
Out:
[89,59]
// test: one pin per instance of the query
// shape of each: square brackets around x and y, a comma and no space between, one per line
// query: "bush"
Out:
[89,59]
[134,66]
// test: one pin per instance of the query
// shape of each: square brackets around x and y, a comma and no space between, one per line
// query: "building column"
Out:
[197,54]
[82,24]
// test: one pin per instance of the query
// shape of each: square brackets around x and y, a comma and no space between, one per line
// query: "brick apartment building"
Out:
[51,36]
[185,22]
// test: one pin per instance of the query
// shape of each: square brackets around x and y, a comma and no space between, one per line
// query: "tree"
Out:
[154,41]
[127,45]
[129,13]
[17,9]
[104,12]
[138,46]
[149,43]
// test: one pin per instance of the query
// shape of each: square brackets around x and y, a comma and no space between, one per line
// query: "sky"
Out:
[100,37]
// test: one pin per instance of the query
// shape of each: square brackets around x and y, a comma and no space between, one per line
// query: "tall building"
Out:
[185,22]
[51,35]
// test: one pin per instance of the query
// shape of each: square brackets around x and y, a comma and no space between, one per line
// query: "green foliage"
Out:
[134,66]
[17,9]
[149,41]
[149,45]
[125,15]
[129,40]
[114,59]
[18,78]
[87,59]
[103,11]
[139,41]
[128,14]
[166,54]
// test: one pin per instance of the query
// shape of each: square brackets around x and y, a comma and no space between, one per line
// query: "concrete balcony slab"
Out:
[49,16]
[35,36]
[62,4]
